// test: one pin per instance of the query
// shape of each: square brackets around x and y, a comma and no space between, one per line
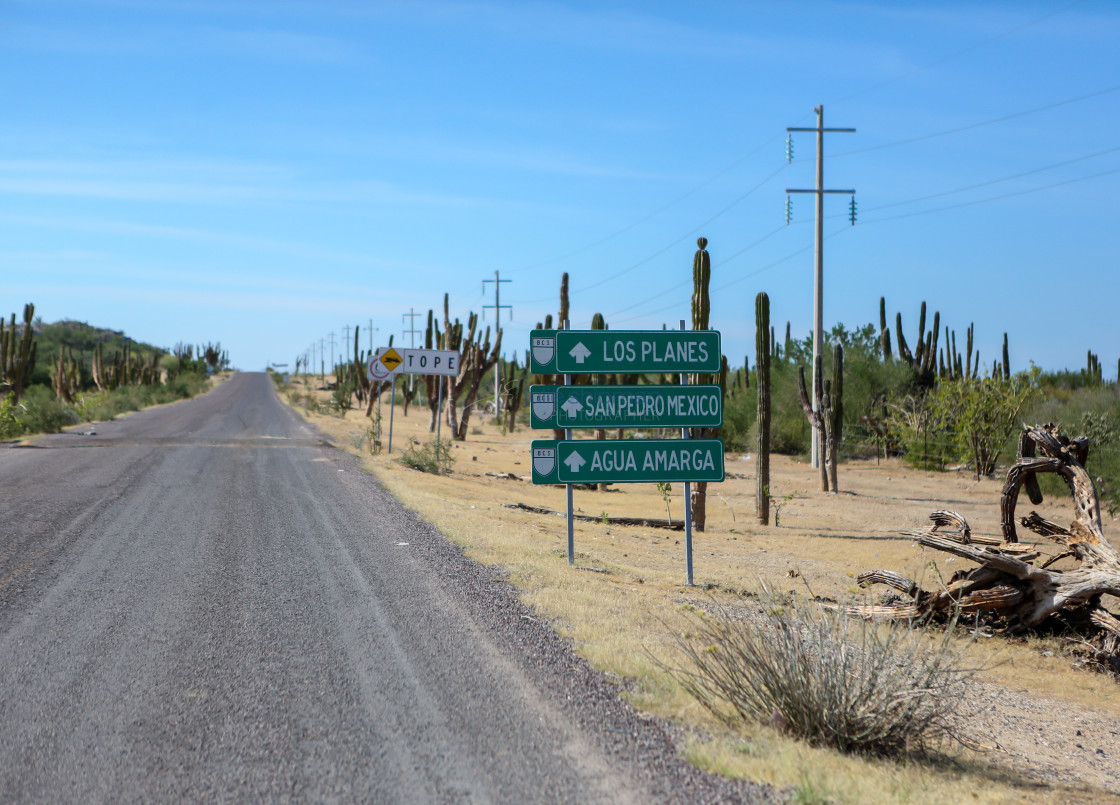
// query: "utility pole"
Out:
[332,350]
[411,332]
[345,350]
[818,252]
[322,364]
[371,337]
[497,318]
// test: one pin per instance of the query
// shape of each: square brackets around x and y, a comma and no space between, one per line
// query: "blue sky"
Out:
[265,173]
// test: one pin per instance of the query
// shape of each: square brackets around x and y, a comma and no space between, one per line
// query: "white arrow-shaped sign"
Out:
[575,461]
[579,352]
[571,407]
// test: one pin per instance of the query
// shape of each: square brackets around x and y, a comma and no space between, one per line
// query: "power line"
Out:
[981,124]
[653,214]
[669,246]
[994,181]
[1026,191]
[764,145]
[996,198]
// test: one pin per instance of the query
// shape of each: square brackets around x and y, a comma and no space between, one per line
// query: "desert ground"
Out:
[1040,726]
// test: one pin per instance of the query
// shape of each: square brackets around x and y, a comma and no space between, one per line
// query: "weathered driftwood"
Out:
[1008,582]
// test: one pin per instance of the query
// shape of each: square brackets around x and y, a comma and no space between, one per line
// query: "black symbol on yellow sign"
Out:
[391,359]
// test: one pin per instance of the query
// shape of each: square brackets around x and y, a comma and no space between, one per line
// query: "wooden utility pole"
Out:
[818,254]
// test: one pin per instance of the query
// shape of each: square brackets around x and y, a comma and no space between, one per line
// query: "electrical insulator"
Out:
[789,148]
[789,210]
[852,210]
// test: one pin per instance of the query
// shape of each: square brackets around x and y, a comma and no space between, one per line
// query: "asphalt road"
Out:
[205,601]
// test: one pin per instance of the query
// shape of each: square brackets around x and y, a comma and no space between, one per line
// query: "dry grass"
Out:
[617,619]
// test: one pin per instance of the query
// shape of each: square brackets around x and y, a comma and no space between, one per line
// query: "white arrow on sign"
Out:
[572,407]
[575,461]
[579,352]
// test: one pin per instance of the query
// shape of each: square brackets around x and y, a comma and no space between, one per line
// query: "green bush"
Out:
[434,457]
[10,425]
[42,412]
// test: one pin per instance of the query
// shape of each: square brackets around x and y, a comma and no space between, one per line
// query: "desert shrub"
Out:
[342,398]
[434,457]
[42,412]
[10,425]
[825,677]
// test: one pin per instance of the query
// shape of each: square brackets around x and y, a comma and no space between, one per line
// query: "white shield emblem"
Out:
[543,349]
[544,460]
[544,404]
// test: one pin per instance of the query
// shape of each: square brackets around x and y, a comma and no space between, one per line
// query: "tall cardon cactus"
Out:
[762,383]
[701,307]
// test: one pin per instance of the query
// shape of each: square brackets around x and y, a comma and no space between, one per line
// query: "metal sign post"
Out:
[688,500]
[392,409]
[571,508]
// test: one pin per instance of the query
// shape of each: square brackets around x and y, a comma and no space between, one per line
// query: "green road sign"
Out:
[626,460]
[626,406]
[627,351]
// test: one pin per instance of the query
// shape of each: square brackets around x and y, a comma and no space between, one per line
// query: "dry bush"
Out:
[826,677]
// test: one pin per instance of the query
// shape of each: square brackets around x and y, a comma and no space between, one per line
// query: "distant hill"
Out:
[82,338]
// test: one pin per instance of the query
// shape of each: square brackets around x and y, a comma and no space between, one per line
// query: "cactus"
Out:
[903,348]
[969,373]
[1006,360]
[701,279]
[64,376]
[433,339]
[701,307]
[17,359]
[515,391]
[762,380]
[564,309]
[884,331]
[837,397]
[919,356]
[1093,367]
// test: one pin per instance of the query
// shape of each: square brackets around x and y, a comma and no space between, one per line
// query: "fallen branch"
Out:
[1007,583]
[635,521]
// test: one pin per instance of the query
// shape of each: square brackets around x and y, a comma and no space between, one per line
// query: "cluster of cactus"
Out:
[216,359]
[17,353]
[931,361]
[1093,366]
[762,380]
[124,368]
[476,357]
[65,376]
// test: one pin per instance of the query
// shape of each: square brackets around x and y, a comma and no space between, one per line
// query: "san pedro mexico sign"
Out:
[627,461]
[626,406]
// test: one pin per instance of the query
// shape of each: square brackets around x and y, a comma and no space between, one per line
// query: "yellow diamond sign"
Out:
[391,359]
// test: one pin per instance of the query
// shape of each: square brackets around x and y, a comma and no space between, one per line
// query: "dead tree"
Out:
[821,419]
[1011,582]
